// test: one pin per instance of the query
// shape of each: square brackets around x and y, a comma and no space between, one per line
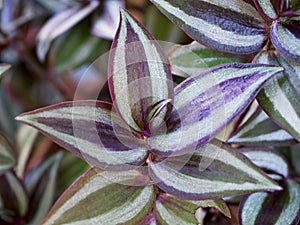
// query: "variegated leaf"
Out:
[260,130]
[223,25]
[213,171]
[41,185]
[205,104]
[279,208]
[194,58]
[286,40]
[13,197]
[90,130]
[171,210]
[7,155]
[100,197]
[139,73]
[280,99]
[266,9]
[269,160]
[60,23]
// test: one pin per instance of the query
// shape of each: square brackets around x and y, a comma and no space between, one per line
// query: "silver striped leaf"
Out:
[206,103]
[90,130]
[269,160]
[101,197]
[266,9]
[3,68]
[280,98]
[194,58]
[213,171]
[171,210]
[275,208]
[223,25]
[260,130]
[139,73]
[286,40]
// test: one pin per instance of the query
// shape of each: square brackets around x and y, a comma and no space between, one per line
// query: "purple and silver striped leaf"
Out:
[279,208]
[7,156]
[266,9]
[171,210]
[100,197]
[139,73]
[90,130]
[205,104]
[286,40]
[269,160]
[260,130]
[280,98]
[223,25]
[213,171]
[60,23]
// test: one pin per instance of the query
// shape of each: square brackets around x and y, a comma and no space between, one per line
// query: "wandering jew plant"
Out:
[154,156]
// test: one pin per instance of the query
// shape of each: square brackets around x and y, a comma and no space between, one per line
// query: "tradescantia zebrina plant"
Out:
[246,27]
[153,152]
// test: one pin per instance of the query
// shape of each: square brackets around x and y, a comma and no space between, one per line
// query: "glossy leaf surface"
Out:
[227,26]
[102,198]
[90,130]
[260,130]
[139,73]
[213,171]
[206,103]
[279,208]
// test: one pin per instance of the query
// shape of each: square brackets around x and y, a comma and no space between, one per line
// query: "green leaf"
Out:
[90,130]
[13,196]
[280,98]
[269,160]
[139,73]
[206,103]
[41,186]
[260,130]
[213,171]
[101,197]
[286,40]
[227,26]
[26,137]
[194,58]
[279,208]
[79,47]
[171,210]
[7,155]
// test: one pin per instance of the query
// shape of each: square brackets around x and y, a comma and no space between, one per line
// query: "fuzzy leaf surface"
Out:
[223,25]
[206,103]
[101,197]
[90,130]
[213,171]
[139,73]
